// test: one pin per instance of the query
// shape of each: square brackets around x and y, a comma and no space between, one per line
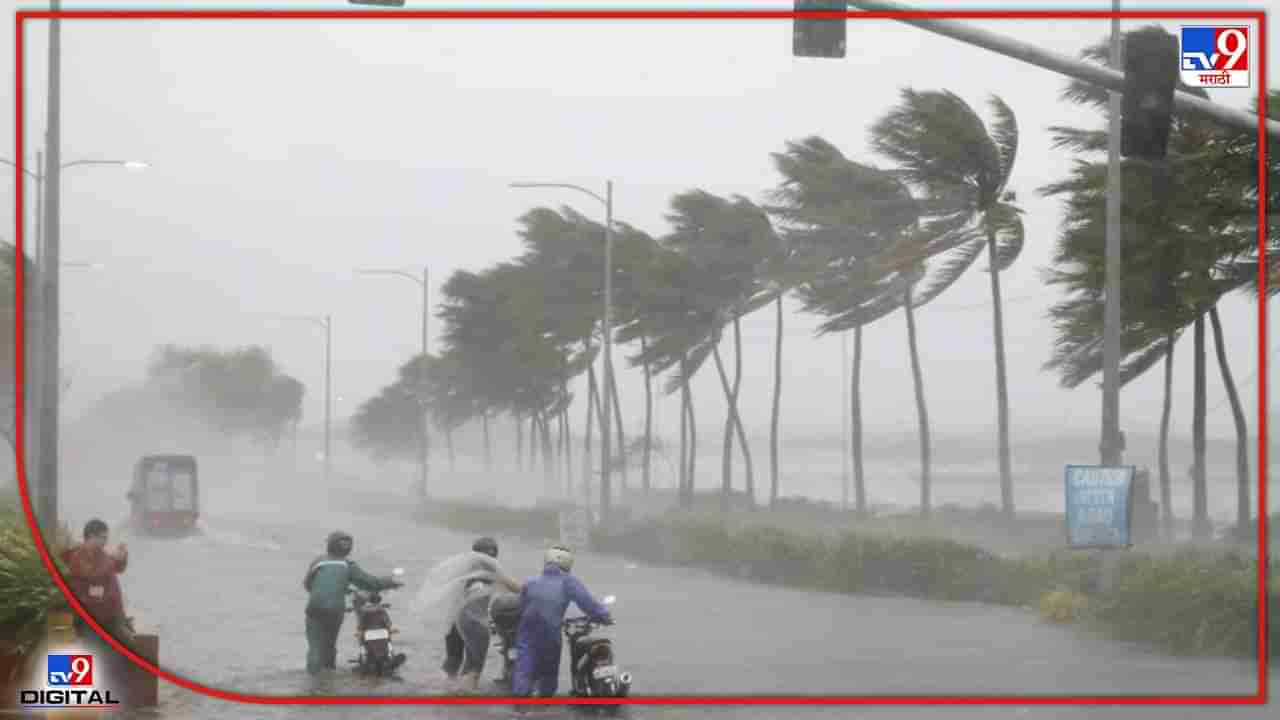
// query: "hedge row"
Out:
[1193,601]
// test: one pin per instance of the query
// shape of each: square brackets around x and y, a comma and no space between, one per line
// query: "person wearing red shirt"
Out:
[93,575]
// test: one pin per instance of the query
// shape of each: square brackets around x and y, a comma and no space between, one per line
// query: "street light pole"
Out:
[42,332]
[606,390]
[48,495]
[424,439]
[1111,446]
[328,397]
[1111,78]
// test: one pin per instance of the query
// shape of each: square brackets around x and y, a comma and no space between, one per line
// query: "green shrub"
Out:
[1191,602]
[533,523]
[26,589]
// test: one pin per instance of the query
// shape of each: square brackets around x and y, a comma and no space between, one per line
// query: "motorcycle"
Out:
[373,632]
[591,662]
[504,619]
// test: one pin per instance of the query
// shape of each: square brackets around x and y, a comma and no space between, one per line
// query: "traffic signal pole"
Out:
[1088,72]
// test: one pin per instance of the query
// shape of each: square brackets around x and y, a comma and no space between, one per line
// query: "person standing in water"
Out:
[467,643]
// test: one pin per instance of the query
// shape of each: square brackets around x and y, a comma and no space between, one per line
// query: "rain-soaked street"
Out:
[228,608]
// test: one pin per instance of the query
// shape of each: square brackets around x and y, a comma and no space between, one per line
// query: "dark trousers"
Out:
[322,639]
[454,650]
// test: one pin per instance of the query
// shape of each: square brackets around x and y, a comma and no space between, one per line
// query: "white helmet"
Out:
[560,555]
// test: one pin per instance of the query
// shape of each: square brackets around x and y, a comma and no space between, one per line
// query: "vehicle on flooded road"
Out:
[164,497]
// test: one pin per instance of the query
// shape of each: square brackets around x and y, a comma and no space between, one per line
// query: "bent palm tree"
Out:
[942,146]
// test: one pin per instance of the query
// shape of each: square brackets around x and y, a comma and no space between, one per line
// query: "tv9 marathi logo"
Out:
[68,685]
[1213,56]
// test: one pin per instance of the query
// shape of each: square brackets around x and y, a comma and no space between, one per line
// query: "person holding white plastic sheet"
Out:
[459,589]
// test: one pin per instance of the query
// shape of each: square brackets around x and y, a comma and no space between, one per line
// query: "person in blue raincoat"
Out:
[543,603]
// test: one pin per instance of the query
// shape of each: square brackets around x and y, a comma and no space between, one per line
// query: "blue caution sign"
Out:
[1099,506]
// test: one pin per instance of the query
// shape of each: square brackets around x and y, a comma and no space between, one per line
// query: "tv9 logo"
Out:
[70,671]
[1213,56]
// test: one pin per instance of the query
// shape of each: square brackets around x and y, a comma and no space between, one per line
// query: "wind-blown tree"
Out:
[637,255]
[860,237]
[678,316]
[940,144]
[388,425]
[236,393]
[728,239]
[1192,220]
[497,324]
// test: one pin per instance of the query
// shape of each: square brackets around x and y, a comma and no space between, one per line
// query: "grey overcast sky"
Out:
[286,154]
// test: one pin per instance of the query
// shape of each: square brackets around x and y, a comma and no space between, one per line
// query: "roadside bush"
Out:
[27,592]
[533,523]
[1192,602]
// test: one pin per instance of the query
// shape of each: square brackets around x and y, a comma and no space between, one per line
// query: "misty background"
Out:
[285,155]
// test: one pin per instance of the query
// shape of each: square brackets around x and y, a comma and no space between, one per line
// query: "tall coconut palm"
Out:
[729,238]
[833,212]
[1208,189]
[863,237]
[942,145]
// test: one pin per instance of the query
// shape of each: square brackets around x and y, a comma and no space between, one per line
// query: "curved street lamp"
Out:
[44,296]
[424,440]
[606,393]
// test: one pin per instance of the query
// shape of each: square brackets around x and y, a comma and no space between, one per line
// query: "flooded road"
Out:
[227,606]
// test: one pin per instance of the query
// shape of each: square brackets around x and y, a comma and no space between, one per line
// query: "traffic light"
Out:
[379,3]
[819,38]
[1150,76]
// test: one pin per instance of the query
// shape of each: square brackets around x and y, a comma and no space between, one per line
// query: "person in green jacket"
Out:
[326,582]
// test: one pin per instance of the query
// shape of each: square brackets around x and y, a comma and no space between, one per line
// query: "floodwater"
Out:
[227,606]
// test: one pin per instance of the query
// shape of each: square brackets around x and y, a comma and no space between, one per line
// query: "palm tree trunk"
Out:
[693,443]
[448,441]
[777,404]
[488,449]
[1002,385]
[590,425]
[568,449]
[1242,430]
[533,441]
[519,442]
[1166,489]
[648,416]
[922,412]
[684,436]
[737,416]
[855,422]
[622,439]
[548,456]
[1200,528]
[726,456]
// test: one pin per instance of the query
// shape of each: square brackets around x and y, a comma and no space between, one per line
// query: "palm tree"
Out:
[1194,214]
[729,238]
[942,146]
[863,237]
[681,311]
[834,212]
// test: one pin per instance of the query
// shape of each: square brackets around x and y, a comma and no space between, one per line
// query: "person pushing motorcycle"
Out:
[326,583]
[543,603]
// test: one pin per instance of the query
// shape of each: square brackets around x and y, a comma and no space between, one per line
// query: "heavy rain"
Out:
[785,365]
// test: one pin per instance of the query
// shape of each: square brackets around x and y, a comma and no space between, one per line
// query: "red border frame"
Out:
[392,14]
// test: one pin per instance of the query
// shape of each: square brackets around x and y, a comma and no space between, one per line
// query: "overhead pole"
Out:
[1111,79]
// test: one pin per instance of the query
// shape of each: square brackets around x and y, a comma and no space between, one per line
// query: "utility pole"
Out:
[424,438]
[50,257]
[1111,446]
[328,397]
[424,444]
[606,391]
[845,386]
[1110,78]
